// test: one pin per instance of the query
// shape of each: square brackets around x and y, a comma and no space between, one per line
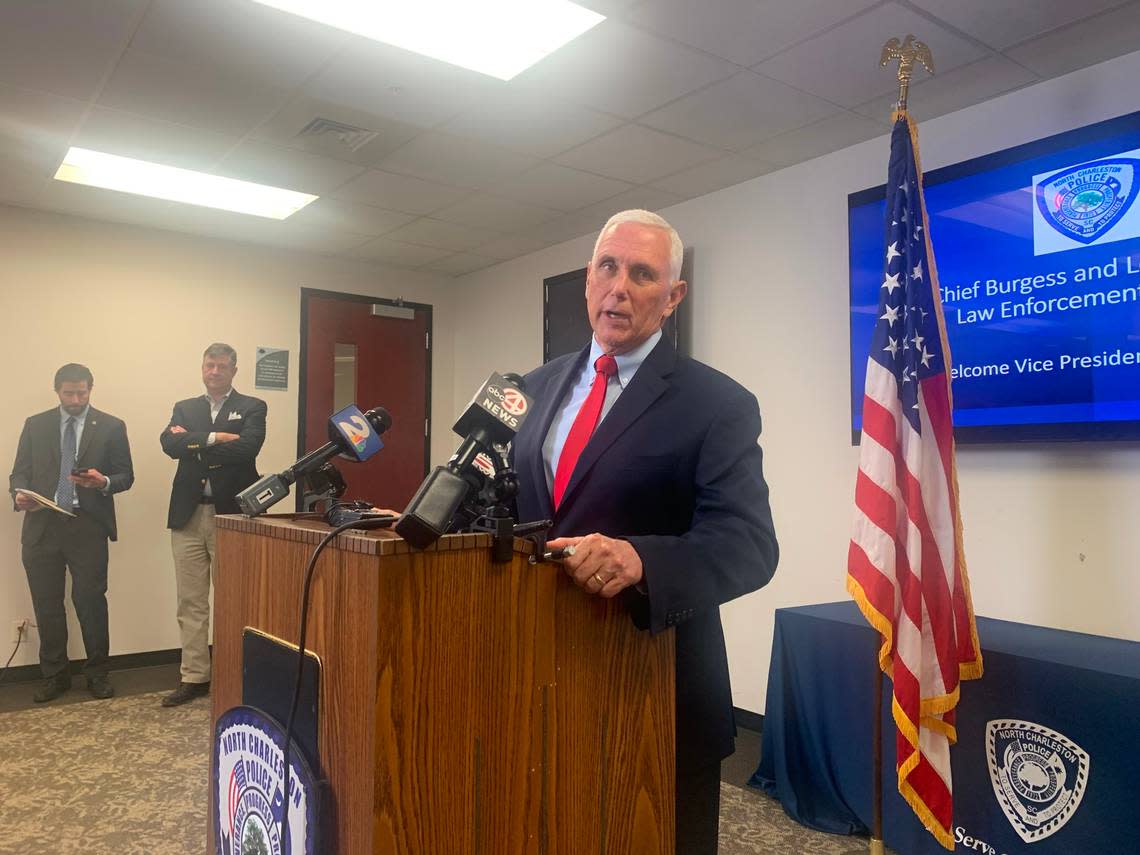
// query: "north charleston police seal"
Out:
[1039,776]
[248,779]
[1083,202]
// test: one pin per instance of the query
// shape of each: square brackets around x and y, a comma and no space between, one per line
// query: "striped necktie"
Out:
[65,490]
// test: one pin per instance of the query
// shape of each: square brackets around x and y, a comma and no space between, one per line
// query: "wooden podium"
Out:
[466,707]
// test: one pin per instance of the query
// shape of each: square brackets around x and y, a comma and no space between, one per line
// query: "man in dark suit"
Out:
[78,457]
[215,438]
[649,466]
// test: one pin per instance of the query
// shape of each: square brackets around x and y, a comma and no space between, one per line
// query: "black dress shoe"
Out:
[186,692]
[100,687]
[52,688]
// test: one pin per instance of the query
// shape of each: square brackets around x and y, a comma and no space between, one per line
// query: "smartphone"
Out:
[80,471]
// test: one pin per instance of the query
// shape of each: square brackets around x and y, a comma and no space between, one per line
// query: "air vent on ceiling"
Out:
[348,136]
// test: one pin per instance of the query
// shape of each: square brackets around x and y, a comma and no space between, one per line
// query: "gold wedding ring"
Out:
[601,581]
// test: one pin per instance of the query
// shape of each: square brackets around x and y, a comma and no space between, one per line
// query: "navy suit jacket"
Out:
[102,446]
[675,469]
[230,466]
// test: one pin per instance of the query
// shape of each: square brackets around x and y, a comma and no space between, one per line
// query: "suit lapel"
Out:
[544,415]
[648,384]
[224,412]
[51,420]
[90,426]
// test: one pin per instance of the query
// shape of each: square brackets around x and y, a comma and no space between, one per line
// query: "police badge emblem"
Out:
[1085,201]
[1038,776]
[248,783]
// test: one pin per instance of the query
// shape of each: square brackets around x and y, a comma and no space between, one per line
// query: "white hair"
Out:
[648,218]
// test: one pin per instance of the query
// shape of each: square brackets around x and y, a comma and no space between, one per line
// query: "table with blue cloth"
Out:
[1048,753]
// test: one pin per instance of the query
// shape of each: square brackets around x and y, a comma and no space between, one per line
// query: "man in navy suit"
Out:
[648,464]
[215,438]
[79,457]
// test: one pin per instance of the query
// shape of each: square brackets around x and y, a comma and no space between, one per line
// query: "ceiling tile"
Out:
[395,252]
[560,187]
[248,38]
[815,140]
[399,192]
[129,135]
[62,47]
[460,263]
[398,84]
[530,122]
[567,228]
[608,7]
[744,31]
[1084,43]
[285,126]
[842,65]
[714,175]
[739,112]
[281,167]
[354,217]
[201,96]
[621,70]
[35,128]
[492,212]
[945,93]
[437,233]
[1001,24]
[637,154]
[512,246]
[447,159]
[644,198]
[287,235]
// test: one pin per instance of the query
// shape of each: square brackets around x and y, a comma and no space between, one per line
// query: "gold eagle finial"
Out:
[909,52]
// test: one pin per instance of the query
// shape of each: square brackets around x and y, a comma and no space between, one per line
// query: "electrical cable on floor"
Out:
[19,640]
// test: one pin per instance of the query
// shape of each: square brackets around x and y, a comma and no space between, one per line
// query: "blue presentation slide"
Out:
[1038,258]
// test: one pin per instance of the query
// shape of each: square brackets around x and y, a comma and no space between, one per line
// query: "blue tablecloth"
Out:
[1048,696]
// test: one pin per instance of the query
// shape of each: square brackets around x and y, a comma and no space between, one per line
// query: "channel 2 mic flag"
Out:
[360,440]
[905,566]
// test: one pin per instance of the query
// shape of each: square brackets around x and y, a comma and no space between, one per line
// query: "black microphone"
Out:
[352,434]
[492,417]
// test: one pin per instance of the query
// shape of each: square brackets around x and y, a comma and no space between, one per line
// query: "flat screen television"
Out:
[1038,256]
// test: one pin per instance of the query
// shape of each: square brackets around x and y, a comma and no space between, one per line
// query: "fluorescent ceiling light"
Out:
[495,37]
[99,169]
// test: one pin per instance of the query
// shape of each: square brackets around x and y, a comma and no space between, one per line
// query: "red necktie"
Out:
[584,424]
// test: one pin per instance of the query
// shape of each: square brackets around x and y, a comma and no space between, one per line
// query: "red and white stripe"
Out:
[907,574]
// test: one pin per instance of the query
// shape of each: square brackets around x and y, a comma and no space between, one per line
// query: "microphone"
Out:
[493,416]
[352,434]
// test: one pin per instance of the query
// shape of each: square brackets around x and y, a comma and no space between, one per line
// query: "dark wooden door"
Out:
[352,353]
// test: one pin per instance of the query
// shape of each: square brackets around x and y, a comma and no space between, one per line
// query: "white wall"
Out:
[138,306]
[1051,537]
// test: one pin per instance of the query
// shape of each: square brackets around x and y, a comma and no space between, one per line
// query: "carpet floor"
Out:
[127,776]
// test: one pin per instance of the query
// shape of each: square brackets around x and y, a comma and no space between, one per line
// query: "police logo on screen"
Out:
[248,783]
[1038,775]
[1085,202]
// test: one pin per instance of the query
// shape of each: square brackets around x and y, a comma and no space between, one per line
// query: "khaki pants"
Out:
[193,548]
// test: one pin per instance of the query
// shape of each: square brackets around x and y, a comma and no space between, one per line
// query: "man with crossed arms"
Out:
[215,438]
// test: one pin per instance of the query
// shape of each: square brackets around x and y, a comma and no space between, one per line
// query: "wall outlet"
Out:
[26,623]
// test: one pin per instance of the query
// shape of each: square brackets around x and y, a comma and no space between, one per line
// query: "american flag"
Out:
[905,566]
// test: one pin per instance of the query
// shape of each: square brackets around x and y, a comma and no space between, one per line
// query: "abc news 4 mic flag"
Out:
[905,567]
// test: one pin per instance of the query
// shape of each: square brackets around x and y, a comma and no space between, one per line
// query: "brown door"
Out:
[372,353]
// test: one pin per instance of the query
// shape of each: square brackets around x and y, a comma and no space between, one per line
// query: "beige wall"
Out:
[138,306]
[1050,536]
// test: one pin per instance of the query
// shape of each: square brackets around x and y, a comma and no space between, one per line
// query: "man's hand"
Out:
[176,429]
[27,503]
[600,565]
[92,479]
[219,436]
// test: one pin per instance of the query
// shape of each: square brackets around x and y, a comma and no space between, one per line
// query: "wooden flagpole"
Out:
[910,51]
